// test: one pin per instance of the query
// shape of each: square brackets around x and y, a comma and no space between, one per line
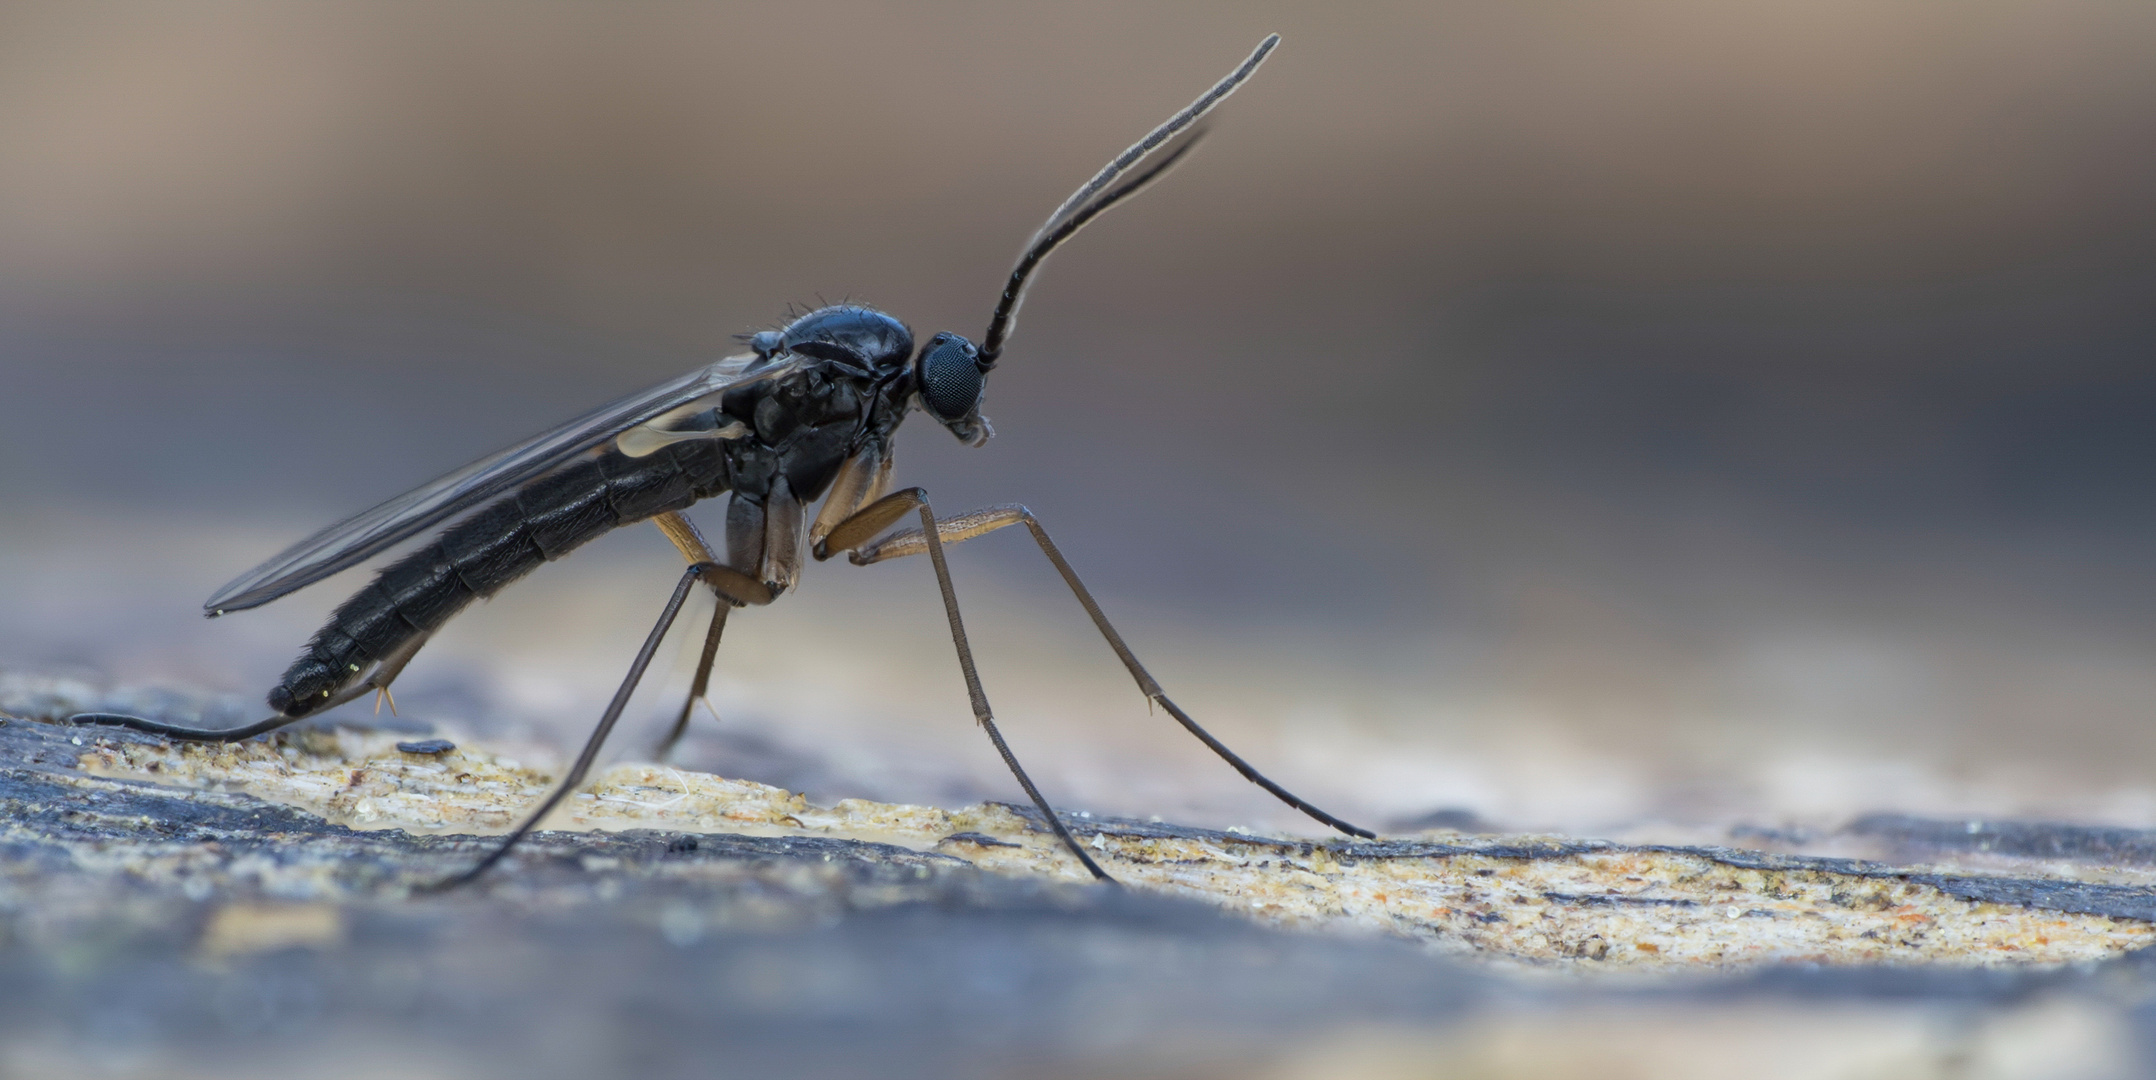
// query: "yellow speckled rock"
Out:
[1539,899]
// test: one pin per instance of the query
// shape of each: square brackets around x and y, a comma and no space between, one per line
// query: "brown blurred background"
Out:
[1586,415]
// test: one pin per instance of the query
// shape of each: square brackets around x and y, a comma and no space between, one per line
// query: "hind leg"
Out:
[387,671]
[590,754]
[377,680]
[194,734]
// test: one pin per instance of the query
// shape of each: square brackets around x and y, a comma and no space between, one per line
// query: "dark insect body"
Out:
[799,431]
[807,414]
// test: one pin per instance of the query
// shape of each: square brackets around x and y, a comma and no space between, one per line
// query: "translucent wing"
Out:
[364,535]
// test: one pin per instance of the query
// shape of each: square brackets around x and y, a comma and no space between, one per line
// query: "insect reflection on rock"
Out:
[808,413]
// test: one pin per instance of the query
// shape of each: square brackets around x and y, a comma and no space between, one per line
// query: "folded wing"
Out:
[370,532]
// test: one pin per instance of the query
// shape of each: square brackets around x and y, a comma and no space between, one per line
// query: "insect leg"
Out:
[576,774]
[392,666]
[874,518]
[734,589]
[689,540]
[700,685]
[965,527]
[377,680]
[855,480]
[193,734]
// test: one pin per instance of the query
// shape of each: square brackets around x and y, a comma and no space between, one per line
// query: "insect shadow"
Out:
[808,413]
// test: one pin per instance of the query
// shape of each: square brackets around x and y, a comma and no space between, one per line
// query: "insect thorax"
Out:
[852,392]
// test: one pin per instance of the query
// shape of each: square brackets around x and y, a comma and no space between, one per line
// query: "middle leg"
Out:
[689,540]
[761,540]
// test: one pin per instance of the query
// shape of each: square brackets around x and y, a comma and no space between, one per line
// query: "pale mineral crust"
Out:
[262,910]
[1539,899]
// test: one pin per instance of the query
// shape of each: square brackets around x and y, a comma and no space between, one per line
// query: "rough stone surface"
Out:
[260,910]
[1534,899]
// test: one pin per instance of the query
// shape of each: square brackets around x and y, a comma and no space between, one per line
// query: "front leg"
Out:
[963,527]
[878,516]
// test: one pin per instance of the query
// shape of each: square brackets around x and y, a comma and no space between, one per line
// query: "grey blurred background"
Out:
[1599,416]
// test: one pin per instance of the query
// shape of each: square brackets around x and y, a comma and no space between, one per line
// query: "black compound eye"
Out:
[950,379]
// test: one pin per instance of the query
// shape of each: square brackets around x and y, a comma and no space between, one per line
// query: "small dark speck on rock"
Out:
[978,838]
[1456,818]
[427,746]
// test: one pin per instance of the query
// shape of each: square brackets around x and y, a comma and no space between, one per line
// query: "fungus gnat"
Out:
[808,413]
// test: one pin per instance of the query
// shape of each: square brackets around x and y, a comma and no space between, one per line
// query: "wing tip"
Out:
[238,596]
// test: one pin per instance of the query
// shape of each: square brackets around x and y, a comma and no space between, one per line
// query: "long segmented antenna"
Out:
[1082,206]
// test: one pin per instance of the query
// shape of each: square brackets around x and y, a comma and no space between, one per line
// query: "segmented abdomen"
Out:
[540,521]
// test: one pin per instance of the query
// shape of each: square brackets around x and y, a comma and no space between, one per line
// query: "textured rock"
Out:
[252,910]
[1542,899]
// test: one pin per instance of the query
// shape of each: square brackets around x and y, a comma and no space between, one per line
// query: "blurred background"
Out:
[1618,417]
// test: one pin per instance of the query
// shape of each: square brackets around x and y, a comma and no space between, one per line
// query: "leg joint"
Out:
[852,533]
[735,587]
